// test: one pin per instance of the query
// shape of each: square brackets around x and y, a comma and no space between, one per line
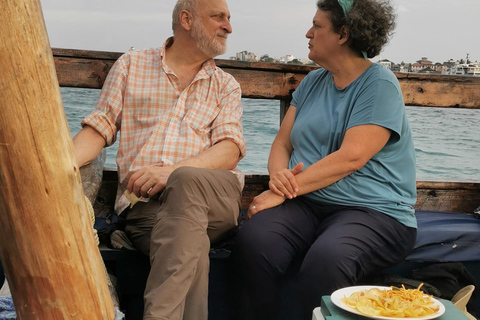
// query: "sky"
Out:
[437,29]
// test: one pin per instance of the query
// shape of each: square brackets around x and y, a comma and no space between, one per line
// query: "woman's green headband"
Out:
[346,5]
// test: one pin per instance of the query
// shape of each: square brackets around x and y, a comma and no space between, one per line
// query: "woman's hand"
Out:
[284,184]
[265,200]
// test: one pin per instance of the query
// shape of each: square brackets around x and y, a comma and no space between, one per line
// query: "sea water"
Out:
[447,140]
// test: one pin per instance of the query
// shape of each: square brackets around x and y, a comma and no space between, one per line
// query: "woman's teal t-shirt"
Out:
[387,182]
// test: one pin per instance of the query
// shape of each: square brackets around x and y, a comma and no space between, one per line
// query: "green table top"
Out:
[332,312]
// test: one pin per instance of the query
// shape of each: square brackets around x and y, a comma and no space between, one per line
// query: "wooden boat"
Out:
[88,69]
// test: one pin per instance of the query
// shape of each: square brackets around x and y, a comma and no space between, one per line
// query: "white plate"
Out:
[338,295]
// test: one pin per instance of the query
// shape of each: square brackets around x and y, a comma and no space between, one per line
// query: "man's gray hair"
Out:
[181,5]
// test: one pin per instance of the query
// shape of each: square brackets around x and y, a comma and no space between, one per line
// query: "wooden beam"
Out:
[88,69]
[461,197]
[440,91]
[47,246]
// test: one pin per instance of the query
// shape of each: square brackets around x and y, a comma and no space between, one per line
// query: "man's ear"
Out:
[186,19]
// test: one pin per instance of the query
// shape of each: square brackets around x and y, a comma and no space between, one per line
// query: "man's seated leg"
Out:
[139,223]
[197,206]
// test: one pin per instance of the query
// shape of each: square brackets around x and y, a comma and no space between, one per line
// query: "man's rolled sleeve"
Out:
[103,125]
[106,117]
[228,124]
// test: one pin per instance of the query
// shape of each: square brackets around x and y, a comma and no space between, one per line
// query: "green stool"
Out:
[332,312]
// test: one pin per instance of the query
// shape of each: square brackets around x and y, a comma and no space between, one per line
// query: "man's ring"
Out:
[253,207]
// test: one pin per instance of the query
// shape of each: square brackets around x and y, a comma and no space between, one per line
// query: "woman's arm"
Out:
[359,145]
[282,180]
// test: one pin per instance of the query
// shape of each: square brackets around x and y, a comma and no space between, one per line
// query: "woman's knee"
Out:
[329,267]
[249,239]
[259,248]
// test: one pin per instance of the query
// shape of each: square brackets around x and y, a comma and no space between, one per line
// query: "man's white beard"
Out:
[210,47]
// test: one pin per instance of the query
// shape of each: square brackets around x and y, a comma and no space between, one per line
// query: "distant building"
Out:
[286,59]
[425,63]
[416,67]
[246,56]
[461,67]
[405,67]
[306,61]
[428,70]
[440,67]
[386,63]
[395,67]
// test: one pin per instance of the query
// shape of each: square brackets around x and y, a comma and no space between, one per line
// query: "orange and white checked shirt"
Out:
[161,124]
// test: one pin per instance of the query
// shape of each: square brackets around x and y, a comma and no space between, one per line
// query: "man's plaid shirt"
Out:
[161,124]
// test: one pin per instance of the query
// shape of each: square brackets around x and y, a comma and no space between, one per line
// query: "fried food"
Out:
[395,303]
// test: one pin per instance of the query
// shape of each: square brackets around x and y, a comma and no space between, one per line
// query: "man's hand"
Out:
[265,200]
[284,184]
[149,181]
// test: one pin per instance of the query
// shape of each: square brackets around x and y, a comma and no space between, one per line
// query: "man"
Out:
[181,138]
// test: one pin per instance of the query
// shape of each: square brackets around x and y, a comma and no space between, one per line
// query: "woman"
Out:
[342,169]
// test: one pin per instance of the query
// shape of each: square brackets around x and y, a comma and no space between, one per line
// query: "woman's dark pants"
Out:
[334,247]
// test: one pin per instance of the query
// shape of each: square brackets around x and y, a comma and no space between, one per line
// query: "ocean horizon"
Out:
[447,140]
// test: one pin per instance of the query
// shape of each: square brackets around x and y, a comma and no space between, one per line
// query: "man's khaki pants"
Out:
[197,207]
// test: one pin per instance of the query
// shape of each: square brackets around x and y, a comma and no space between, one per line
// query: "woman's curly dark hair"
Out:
[370,23]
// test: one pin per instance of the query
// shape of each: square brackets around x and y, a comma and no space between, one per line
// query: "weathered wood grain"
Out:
[47,248]
[461,197]
[88,69]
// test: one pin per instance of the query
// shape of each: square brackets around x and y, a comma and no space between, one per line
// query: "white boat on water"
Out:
[465,69]
[472,69]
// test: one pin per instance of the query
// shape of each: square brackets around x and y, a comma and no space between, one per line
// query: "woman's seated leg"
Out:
[353,242]
[266,246]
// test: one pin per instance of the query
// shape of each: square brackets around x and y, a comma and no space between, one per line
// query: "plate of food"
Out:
[389,303]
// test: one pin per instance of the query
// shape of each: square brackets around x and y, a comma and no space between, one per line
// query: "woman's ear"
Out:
[344,35]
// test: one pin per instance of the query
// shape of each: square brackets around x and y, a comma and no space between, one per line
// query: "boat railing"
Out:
[258,80]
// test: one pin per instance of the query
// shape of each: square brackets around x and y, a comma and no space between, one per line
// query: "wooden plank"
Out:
[82,73]
[441,94]
[449,200]
[86,54]
[267,84]
[88,69]
[462,197]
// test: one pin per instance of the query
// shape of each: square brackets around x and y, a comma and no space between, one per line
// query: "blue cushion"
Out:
[446,236]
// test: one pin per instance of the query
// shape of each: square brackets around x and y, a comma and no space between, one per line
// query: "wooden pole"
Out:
[47,247]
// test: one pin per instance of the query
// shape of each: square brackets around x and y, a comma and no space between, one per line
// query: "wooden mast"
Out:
[47,246]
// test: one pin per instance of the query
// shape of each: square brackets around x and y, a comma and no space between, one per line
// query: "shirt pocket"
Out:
[201,116]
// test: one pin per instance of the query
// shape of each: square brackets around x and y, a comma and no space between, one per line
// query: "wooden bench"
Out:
[131,267]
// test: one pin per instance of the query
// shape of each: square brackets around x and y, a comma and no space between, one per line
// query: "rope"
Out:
[91,212]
